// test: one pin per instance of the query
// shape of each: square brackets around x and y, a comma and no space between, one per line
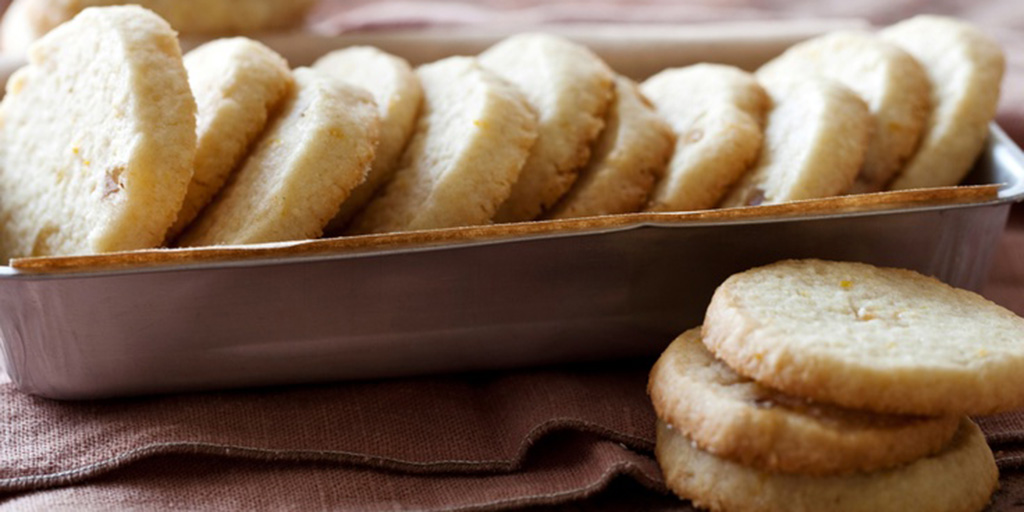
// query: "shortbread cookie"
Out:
[570,88]
[888,79]
[882,339]
[718,115]
[815,143]
[397,91]
[33,18]
[306,163]
[735,418]
[238,83]
[98,136]
[961,478]
[474,134]
[628,158]
[966,68]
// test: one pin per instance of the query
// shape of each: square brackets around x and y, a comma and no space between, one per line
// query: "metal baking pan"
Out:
[450,300]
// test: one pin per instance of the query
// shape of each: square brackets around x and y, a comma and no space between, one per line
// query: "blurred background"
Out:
[1006,14]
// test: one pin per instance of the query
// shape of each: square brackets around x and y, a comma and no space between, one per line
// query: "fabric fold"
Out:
[565,466]
[475,424]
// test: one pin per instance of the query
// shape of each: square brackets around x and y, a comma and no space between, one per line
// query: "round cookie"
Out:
[737,419]
[965,67]
[888,79]
[238,83]
[815,142]
[570,88]
[398,94]
[474,134]
[881,339]
[34,18]
[718,114]
[628,158]
[306,163]
[961,478]
[98,135]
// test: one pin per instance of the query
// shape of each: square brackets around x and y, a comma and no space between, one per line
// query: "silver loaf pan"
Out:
[613,288]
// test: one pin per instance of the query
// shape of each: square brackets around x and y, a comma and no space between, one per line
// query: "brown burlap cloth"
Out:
[569,438]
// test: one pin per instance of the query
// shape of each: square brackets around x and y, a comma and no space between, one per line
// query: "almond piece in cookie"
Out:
[815,142]
[97,138]
[718,115]
[881,339]
[306,163]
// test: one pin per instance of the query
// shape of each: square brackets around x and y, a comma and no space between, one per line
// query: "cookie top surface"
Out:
[736,418]
[398,94]
[816,139]
[474,133]
[570,89]
[882,339]
[891,82]
[304,165]
[238,83]
[627,159]
[960,478]
[965,68]
[717,113]
[98,137]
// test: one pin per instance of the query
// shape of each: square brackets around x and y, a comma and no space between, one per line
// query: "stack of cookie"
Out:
[819,385]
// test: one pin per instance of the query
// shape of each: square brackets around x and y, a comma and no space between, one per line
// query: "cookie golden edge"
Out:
[627,159]
[773,437]
[899,110]
[327,134]
[740,342]
[827,167]
[704,167]
[447,181]
[961,478]
[399,111]
[566,127]
[946,152]
[244,83]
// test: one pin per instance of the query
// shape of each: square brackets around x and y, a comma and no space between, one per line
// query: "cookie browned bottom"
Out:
[738,419]
[959,479]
